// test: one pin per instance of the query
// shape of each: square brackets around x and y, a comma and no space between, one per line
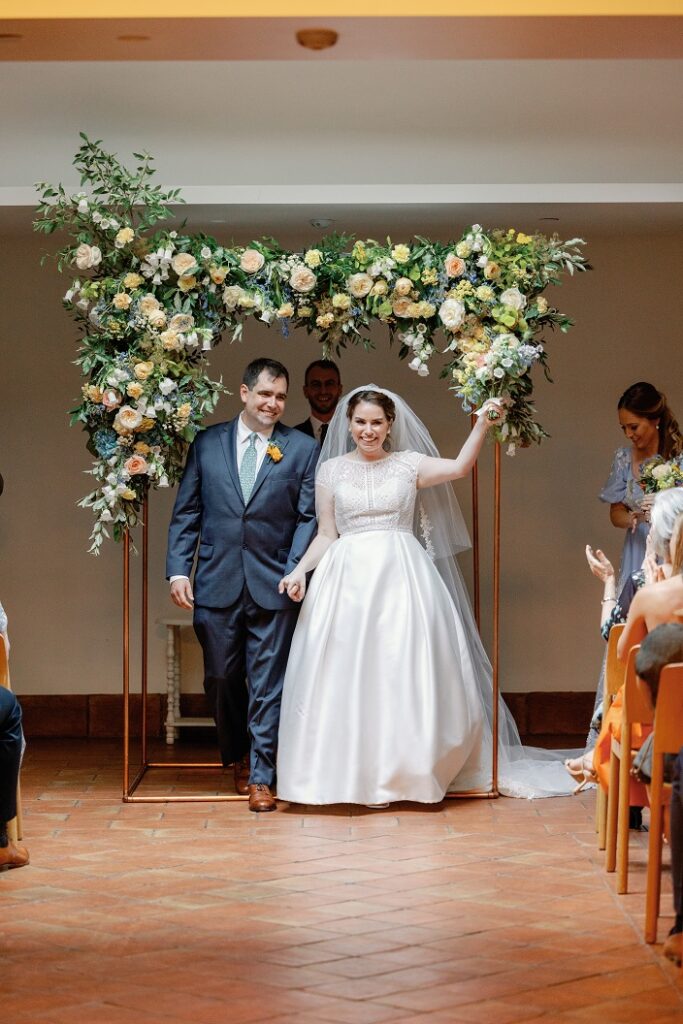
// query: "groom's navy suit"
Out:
[243,624]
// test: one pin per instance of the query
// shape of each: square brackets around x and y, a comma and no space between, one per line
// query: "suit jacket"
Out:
[255,543]
[306,428]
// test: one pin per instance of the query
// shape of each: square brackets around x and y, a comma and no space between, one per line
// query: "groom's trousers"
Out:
[10,753]
[245,641]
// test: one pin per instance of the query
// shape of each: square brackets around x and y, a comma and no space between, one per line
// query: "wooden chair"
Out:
[614,677]
[636,710]
[668,739]
[14,827]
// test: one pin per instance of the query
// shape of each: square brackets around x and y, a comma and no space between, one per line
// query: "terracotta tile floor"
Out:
[472,911]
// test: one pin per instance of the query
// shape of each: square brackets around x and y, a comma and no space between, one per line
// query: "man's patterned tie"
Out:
[248,468]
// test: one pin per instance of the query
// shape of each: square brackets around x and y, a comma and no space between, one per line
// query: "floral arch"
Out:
[151,303]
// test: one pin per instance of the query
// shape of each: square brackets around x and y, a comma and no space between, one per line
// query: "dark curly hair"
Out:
[643,399]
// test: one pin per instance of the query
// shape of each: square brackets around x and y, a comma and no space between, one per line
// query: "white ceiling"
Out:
[376,146]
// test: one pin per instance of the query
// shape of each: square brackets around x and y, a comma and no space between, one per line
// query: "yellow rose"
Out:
[218,274]
[313,258]
[145,424]
[305,310]
[134,389]
[148,304]
[143,370]
[141,448]
[184,264]
[124,237]
[121,301]
[541,304]
[340,301]
[523,239]
[400,253]
[380,287]
[128,495]
[285,310]
[187,283]
[184,410]
[425,310]
[132,280]
[170,341]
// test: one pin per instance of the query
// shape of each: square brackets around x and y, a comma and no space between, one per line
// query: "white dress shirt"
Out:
[317,426]
[242,435]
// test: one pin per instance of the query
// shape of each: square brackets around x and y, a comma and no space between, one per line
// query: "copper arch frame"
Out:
[130,786]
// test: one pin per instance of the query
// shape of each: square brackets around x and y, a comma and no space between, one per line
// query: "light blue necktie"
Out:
[248,468]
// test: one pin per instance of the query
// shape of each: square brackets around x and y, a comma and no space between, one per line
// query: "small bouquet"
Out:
[659,475]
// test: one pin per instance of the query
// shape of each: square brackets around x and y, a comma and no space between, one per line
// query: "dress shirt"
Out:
[317,427]
[242,435]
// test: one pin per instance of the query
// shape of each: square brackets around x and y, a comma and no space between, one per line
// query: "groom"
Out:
[247,498]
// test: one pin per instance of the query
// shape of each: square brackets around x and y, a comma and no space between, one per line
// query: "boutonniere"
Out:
[273,452]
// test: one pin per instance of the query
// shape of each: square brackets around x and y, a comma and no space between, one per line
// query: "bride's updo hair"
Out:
[643,399]
[376,398]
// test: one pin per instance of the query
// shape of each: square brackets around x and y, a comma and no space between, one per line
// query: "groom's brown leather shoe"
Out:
[13,856]
[241,770]
[261,798]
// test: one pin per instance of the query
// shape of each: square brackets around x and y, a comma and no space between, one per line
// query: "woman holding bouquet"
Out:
[651,430]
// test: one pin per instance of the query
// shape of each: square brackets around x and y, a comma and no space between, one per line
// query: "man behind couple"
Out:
[247,501]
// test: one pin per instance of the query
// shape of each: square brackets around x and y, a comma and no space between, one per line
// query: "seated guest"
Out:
[661,647]
[12,855]
[322,388]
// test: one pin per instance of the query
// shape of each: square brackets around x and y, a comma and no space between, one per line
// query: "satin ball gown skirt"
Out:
[380,702]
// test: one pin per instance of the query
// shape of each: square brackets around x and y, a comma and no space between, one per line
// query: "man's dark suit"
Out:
[306,428]
[243,624]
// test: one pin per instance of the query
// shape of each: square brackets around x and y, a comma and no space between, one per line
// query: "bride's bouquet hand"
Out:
[294,585]
[493,412]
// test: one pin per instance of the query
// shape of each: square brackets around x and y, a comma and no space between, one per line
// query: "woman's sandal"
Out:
[582,771]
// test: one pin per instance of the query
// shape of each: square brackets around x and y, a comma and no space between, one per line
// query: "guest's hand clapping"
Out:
[599,564]
[294,584]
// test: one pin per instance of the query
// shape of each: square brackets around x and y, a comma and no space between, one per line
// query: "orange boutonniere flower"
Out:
[273,452]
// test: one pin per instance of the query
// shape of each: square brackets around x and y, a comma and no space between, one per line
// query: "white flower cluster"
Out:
[507,358]
[418,341]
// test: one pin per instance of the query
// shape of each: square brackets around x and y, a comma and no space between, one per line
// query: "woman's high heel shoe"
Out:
[582,771]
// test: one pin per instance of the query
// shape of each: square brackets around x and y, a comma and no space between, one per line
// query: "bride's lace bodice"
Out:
[372,495]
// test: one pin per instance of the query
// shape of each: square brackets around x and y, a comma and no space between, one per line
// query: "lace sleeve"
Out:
[323,476]
[412,460]
[615,488]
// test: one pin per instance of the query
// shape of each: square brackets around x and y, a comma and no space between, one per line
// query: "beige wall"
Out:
[65,606]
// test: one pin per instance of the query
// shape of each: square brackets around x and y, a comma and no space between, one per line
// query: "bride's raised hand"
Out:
[294,585]
[493,412]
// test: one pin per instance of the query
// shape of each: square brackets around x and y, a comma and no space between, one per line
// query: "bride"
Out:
[387,694]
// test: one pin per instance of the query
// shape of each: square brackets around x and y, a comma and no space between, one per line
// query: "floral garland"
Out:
[151,304]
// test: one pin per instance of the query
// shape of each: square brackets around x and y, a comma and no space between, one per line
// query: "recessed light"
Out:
[321,222]
[317,38]
[133,39]
[10,35]
[549,218]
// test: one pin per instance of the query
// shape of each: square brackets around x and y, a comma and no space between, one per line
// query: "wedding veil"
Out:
[440,528]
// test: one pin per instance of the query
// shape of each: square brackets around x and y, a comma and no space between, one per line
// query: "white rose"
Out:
[452,314]
[148,304]
[660,471]
[205,253]
[127,418]
[302,279]
[513,298]
[166,386]
[181,322]
[251,261]
[157,319]
[359,285]
[87,256]
[403,286]
[231,296]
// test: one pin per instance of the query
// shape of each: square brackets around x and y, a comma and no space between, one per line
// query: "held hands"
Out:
[294,584]
[599,564]
[181,594]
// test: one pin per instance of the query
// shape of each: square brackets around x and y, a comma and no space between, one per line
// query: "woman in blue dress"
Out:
[651,429]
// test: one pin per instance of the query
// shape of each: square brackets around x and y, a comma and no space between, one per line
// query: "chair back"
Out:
[614,669]
[669,714]
[637,703]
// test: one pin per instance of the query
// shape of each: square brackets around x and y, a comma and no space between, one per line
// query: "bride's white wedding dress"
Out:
[380,699]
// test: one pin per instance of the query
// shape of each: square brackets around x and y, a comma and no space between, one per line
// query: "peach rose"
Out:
[184,263]
[121,301]
[187,282]
[454,266]
[127,418]
[359,285]
[181,322]
[141,448]
[136,465]
[157,319]
[402,306]
[149,304]
[251,261]
[403,286]
[302,279]
[143,370]
[218,274]
[170,341]
[134,389]
[111,398]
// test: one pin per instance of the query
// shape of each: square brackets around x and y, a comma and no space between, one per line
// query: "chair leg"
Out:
[654,855]
[611,814]
[623,815]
